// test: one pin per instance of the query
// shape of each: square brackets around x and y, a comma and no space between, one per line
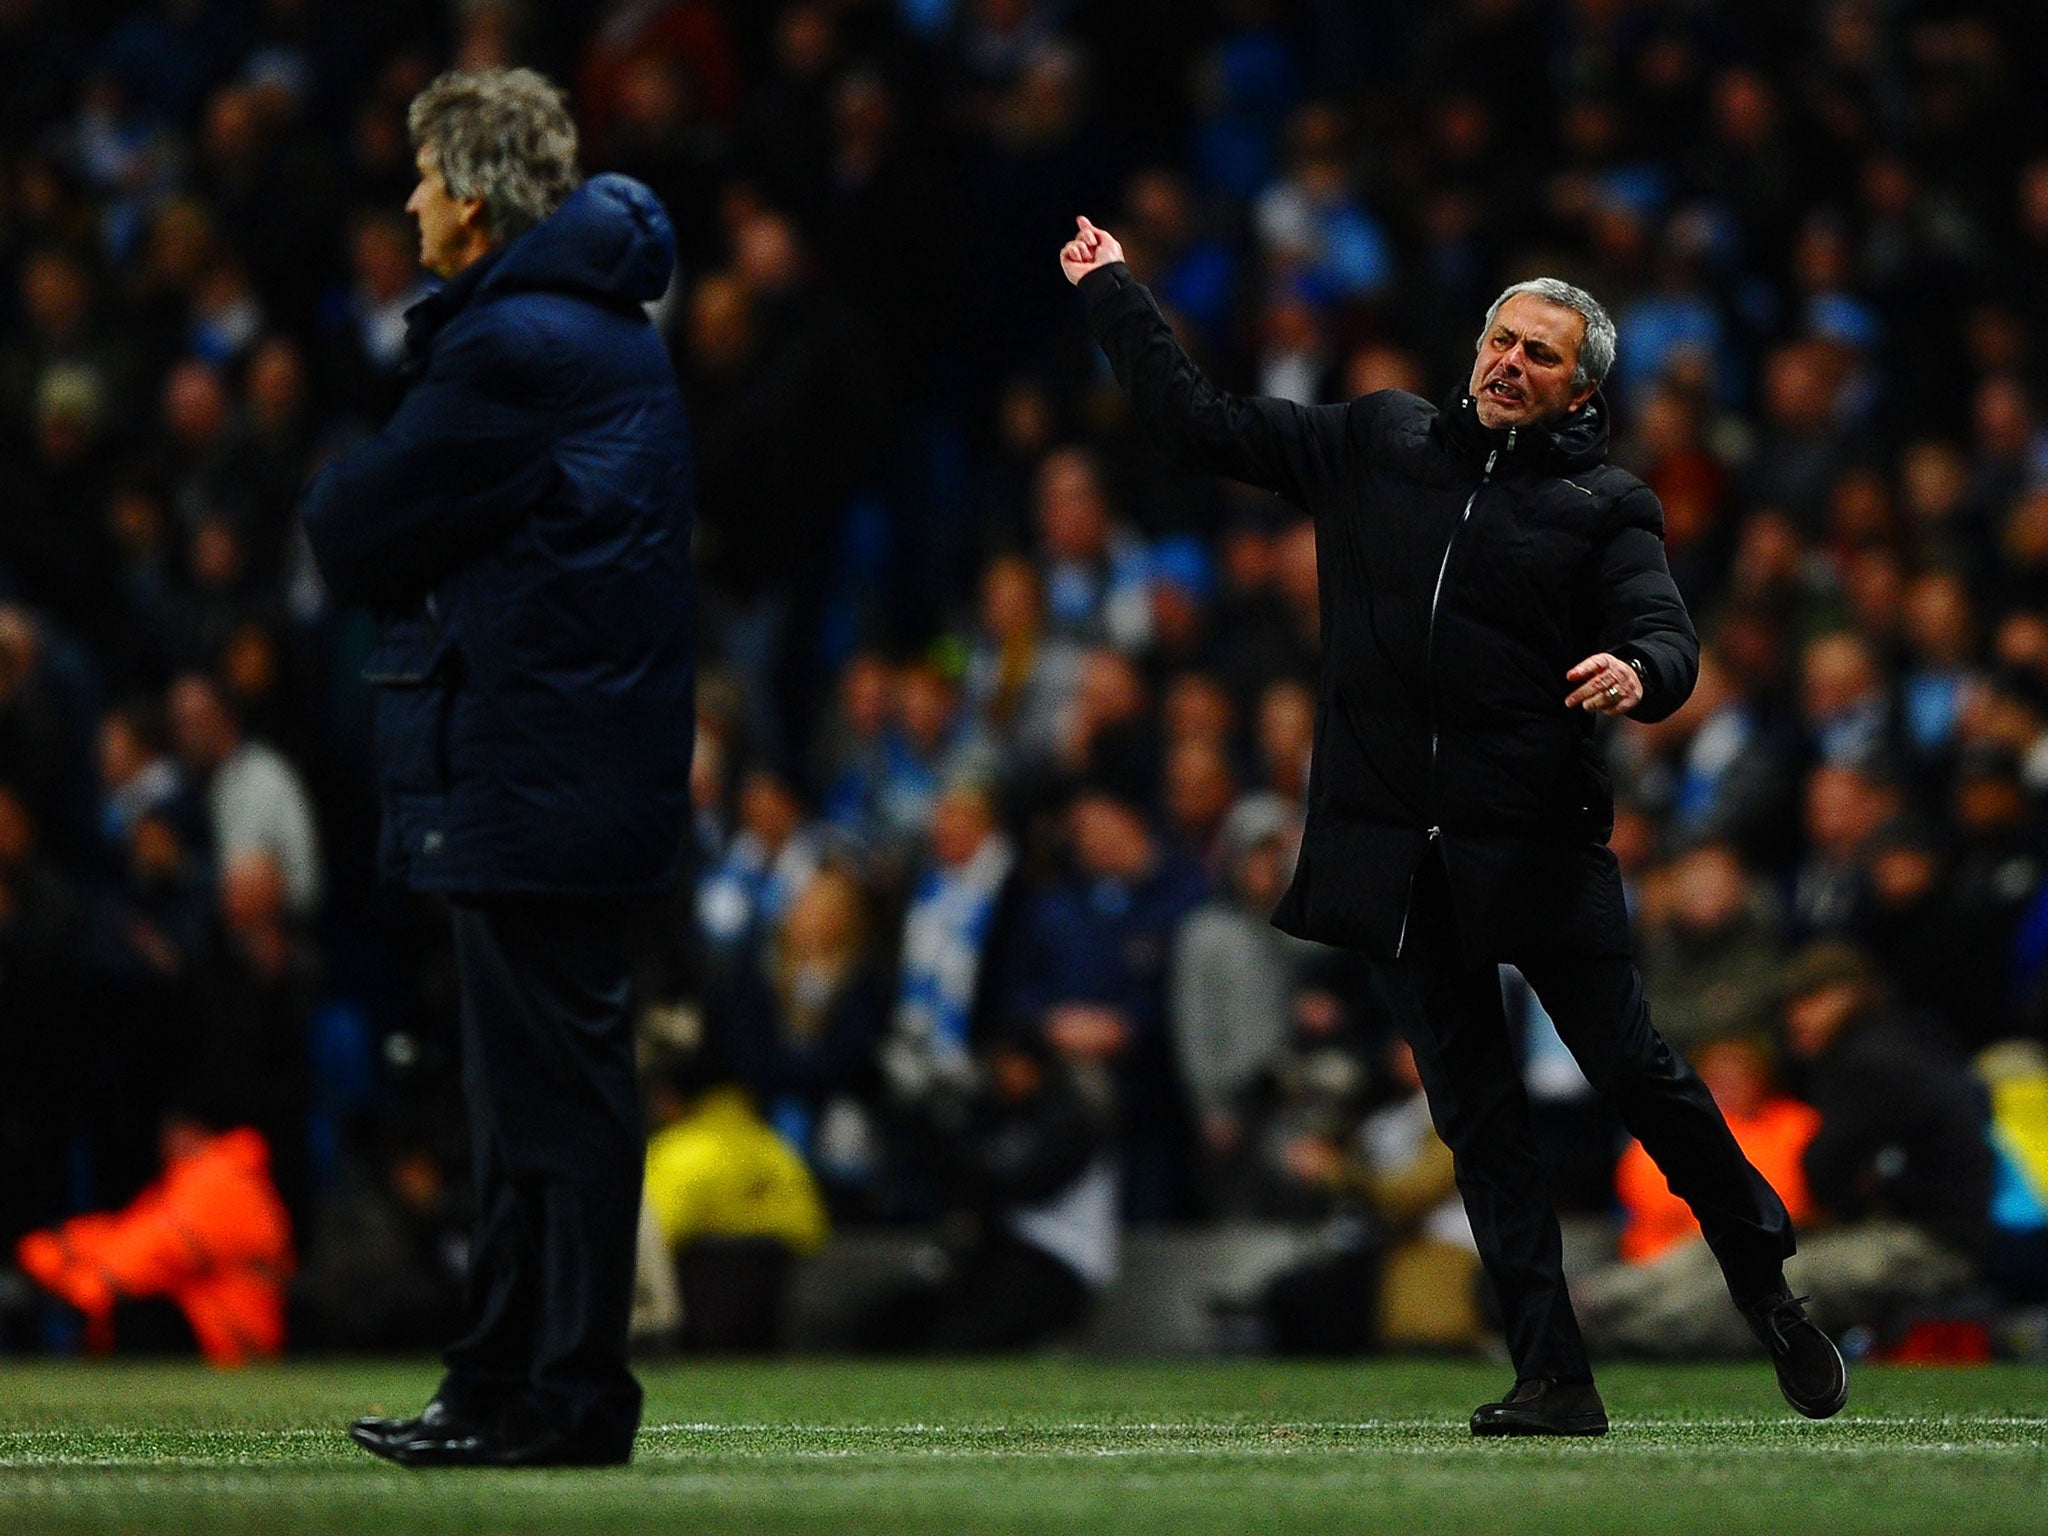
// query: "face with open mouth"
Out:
[1523,374]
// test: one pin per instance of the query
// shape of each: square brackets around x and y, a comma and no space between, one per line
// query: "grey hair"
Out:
[504,135]
[1596,351]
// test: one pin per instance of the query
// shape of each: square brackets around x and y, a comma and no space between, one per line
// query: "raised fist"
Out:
[1089,249]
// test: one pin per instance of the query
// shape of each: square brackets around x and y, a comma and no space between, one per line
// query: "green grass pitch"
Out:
[1041,1445]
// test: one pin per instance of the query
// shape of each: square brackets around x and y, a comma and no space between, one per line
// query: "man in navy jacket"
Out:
[522,527]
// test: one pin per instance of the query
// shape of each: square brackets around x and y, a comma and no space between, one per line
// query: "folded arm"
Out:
[461,463]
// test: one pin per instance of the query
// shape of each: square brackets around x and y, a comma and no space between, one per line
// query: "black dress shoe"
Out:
[1810,1369]
[377,1434]
[522,1437]
[1544,1407]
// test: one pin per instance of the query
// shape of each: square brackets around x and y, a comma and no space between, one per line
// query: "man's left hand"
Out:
[1607,685]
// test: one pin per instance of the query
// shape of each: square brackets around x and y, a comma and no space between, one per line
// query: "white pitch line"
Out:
[1365,1426]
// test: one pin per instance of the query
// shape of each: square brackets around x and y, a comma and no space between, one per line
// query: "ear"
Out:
[1582,397]
[472,214]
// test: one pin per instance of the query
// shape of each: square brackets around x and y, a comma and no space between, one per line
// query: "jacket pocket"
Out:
[410,653]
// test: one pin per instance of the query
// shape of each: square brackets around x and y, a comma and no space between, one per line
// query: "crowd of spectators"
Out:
[1005,721]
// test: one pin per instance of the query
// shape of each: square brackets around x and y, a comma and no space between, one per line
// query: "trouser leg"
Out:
[554,1107]
[1601,1014]
[1450,1012]
[488,1366]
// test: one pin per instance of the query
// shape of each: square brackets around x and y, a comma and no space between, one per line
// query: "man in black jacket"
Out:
[522,527]
[1490,586]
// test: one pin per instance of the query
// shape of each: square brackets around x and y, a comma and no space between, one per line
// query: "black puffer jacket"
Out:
[1464,571]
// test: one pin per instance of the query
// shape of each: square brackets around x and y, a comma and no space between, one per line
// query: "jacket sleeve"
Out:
[460,464]
[1275,444]
[1643,619]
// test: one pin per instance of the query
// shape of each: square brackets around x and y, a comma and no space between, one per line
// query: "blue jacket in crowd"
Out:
[522,527]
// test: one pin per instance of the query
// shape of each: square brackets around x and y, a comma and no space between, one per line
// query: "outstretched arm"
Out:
[1287,448]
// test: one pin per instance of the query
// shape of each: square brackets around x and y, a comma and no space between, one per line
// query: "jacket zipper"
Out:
[1428,659]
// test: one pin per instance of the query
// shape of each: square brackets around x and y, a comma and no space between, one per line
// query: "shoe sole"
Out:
[1580,1428]
[1821,1410]
[1832,1406]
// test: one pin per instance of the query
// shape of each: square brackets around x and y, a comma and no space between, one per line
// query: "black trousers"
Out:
[558,1146]
[1450,1011]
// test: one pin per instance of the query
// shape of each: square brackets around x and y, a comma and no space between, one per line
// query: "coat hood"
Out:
[610,239]
[1578,441]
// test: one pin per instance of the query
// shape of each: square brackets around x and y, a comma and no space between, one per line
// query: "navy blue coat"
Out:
[522,527]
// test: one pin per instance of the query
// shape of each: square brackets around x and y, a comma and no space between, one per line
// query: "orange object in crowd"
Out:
[211,1235]
[1773,1137]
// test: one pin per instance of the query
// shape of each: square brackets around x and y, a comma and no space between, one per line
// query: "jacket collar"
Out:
[1576,442]
[425,319]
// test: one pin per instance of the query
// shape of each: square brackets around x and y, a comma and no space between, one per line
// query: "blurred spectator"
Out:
[1312,222]
[1773,1130]
[1021,678]
[1900,1165]
[254,984]
[1091,973]
[1034,1170]
[1662,1298]
[1096,567]
[364,323]
[771,855]
[1710,945]
[1845,808]
[804,1022]
[733,1206]
[385,1254]
[1997,865]
[957,935]
[2016,1073]
[1194,273]
[198,1261]
[1410,1248]
[47,709]
[1235,979]
[1843,698]
[1720,769]
[255,799]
